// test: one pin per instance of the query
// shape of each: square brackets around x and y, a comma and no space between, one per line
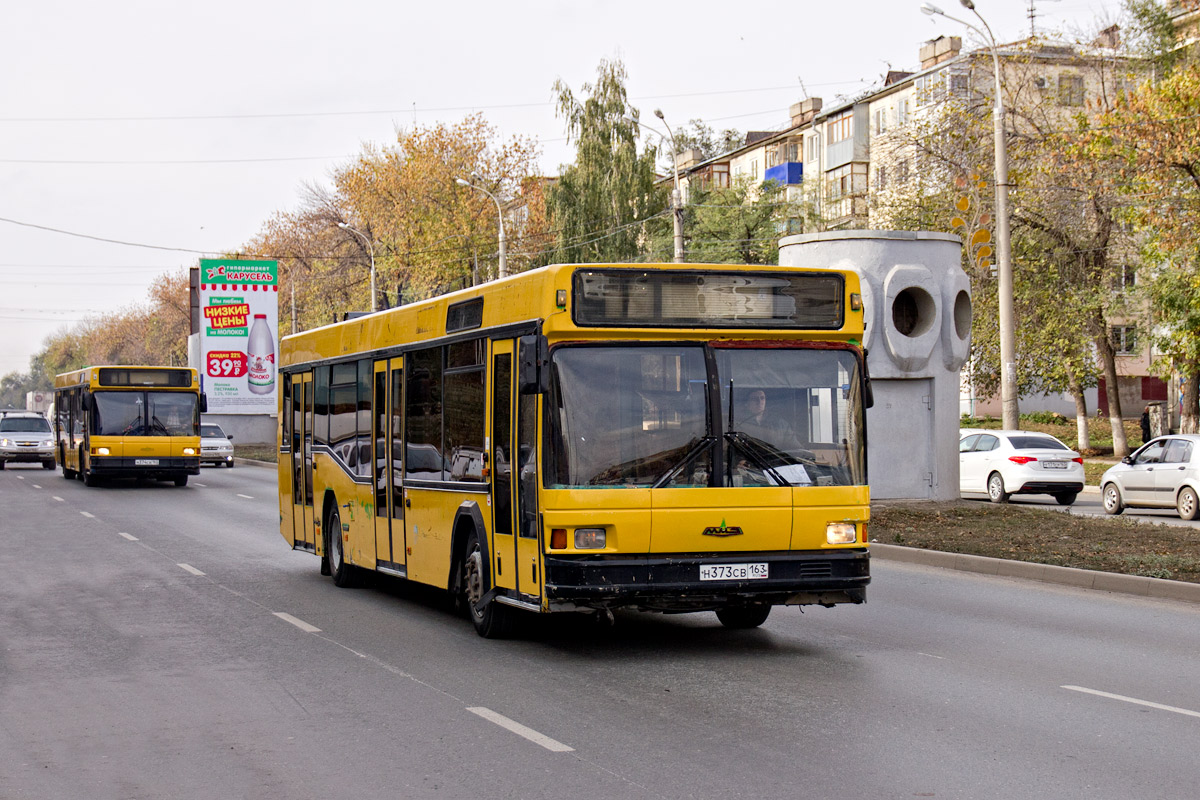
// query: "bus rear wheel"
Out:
[491,619]
[335,552]
[741,617]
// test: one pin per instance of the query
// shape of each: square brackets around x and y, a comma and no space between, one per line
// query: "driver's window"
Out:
[1152,454]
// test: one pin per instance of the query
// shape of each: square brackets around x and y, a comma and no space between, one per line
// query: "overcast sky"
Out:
[185,126]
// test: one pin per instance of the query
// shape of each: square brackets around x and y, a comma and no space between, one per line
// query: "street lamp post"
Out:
[1008,360]
[676,195]
[371,250]
[502,269]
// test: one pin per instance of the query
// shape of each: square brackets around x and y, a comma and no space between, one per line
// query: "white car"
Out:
[25,436]
[1004,463]
[1163,473]
[215,446]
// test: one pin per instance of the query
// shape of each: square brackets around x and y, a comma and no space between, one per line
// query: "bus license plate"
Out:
[145,462]
[732,572]
[1055,464]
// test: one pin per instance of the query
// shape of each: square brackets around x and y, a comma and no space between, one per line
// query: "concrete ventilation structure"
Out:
[917,308]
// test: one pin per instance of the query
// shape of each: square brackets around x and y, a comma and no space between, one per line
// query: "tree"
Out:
[600,203]
[698,136]
[1153,133]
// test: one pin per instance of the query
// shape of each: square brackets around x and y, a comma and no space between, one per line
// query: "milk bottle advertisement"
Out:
[239,335]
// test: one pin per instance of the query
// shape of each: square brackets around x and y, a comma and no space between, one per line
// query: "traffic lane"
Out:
[138,675]
[1090,504]
[679,706]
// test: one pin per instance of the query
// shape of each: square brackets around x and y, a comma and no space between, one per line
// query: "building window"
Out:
[960,84]
[1070,90]
[1124,339]
[840,127]
[881,116]
[881,177]
[902,111]
[1125,277]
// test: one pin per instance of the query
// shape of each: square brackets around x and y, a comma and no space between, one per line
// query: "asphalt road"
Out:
[164,643]
[1088,504]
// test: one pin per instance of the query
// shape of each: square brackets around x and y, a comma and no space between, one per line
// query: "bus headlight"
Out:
[841,533]
[589,539]
[102,451]
[189,451]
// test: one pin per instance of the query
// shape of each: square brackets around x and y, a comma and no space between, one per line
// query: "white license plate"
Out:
[732,572]
[1054,464]
[145,462]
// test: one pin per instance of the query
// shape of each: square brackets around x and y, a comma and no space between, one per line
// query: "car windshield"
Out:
[784,416]
[212,431]
[1036,443]
[146,414]
[24,425]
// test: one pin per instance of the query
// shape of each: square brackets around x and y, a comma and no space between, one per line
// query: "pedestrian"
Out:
[1146,425]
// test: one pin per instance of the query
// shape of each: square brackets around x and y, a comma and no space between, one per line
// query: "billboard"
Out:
[239,334]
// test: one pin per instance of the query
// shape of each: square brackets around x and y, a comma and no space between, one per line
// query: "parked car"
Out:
[215,446]
[26,436]
[1162,473]
[1004,463]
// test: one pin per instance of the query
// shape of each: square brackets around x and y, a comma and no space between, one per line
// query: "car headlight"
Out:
[189,451]
[841,533]
[589,539]
[102,451]
[4,442]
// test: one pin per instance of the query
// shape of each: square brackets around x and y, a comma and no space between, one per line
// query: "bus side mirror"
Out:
[203,403]
[868,394]
[533,373]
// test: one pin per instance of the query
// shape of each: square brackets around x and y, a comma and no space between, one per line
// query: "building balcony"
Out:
[787,174]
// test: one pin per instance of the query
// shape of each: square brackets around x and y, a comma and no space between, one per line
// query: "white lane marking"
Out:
[299,623]
[521,730]
[1133,700]
[127,536]
[86,514]
[201,485]
[59,499]
[248,497]
[190,569]
[931,655]
[37,486]
[20,477]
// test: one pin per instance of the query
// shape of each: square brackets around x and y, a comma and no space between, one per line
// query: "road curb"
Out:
[1046,573]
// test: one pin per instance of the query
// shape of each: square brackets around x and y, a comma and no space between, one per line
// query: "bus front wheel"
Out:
[491,620]
[750,616]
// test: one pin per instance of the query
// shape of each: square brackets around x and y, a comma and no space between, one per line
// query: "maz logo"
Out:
[722,531]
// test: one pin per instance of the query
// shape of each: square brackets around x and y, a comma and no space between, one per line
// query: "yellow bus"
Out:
[128,422]
[668,437]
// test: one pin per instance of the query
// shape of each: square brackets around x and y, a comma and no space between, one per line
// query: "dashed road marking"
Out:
[37,486]
[127,536]
[299,623]
[86,514]
[1133,700]
[59,499]
[248,497]
[521,730]
[190,569]
[201,485]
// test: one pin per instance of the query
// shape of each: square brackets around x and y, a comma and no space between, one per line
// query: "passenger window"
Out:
[966,444]
[986,443]
[1179,451]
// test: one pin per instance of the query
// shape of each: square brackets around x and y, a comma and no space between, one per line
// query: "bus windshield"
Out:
[146,414]
[643,416]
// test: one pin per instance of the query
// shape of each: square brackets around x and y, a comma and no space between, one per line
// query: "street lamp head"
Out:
[658,113]
[968,4]
[930,9]
[461,182]
[343,225]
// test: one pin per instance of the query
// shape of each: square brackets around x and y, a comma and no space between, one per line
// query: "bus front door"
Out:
[525,474]
[388,449]
[302,465]
[504,546]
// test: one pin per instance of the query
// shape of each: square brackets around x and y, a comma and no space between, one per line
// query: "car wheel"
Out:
[741,617]
[1112,499]
[1065,498]
[1,465]
[229,463]
[181,480]
[995,488]
[1187,503]
[491,619]
[335,551]
[48,465]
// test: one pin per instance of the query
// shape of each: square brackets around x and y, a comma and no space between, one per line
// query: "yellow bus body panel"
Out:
[624,514]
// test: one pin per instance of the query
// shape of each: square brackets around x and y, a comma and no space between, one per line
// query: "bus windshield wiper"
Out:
[758,452]
[694,450]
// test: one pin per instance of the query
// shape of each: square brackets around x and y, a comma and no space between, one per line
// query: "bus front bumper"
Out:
[672,583]
[164,466]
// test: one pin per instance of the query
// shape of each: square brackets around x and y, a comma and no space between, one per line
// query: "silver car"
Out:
[215,446]
[1163,473]
[26,436]
[1004,463]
